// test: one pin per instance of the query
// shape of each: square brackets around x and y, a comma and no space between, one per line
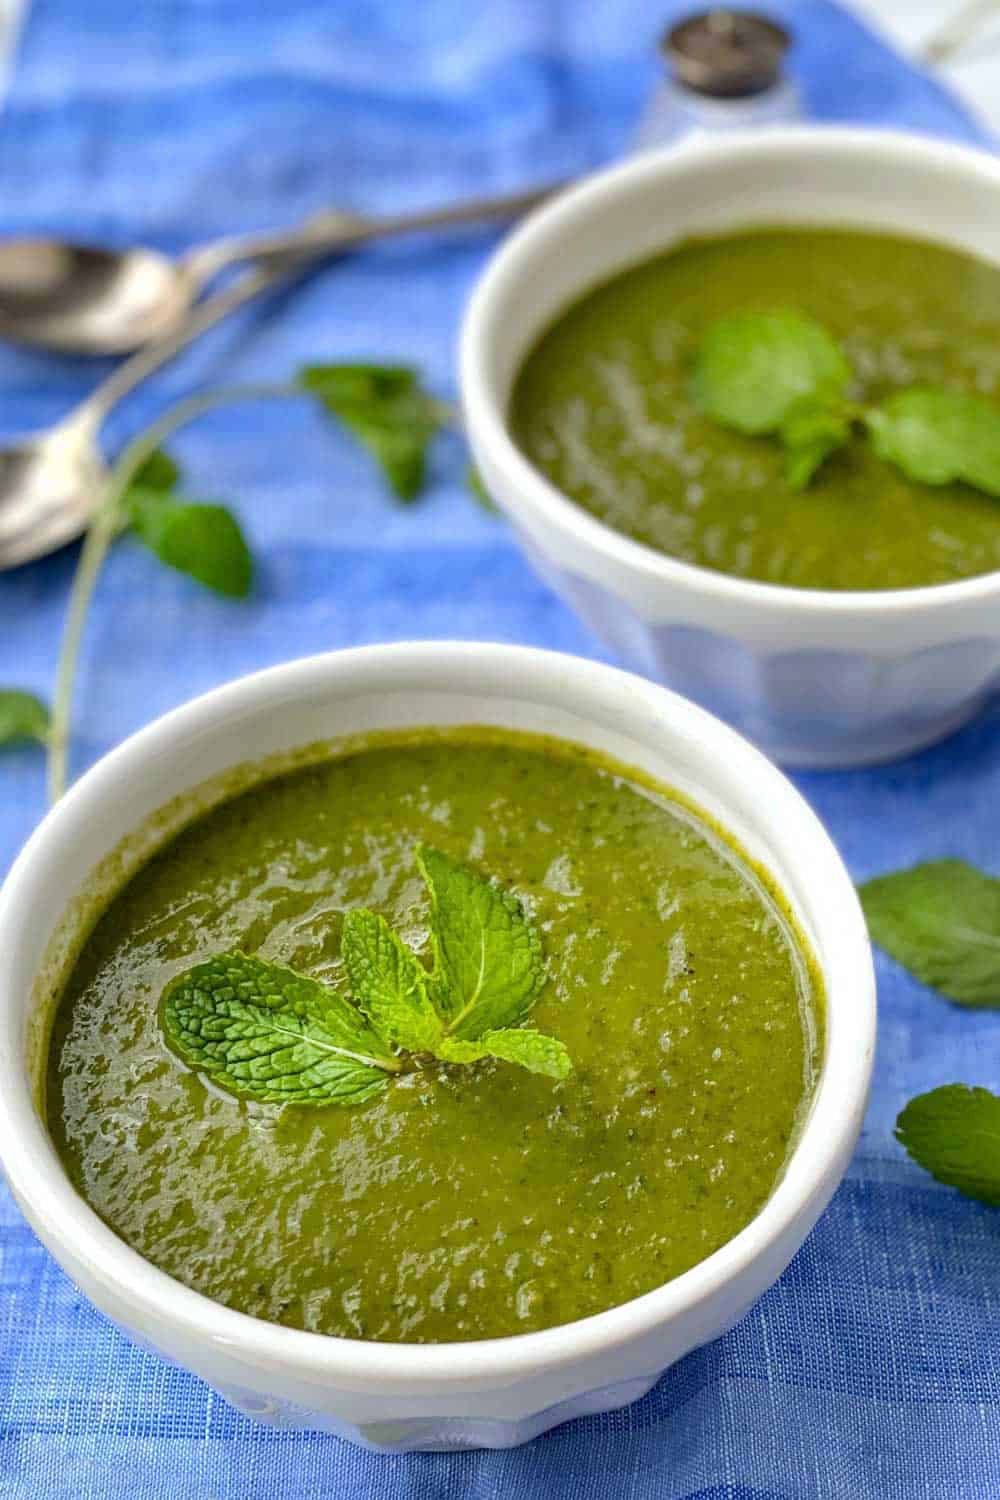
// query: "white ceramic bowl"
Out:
[490,1393]
[816,678]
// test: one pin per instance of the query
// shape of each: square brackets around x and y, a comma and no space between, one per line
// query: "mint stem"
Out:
[105,525]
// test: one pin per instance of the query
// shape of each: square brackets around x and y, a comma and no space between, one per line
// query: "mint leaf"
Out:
[812,429]
[264,1032]
[387,409]
[751,368]
[488,957]
[531,1049]
[942,922]
[158,472]
[938,436]
[22,717]
[954,1133]
[389,983]
[203,541]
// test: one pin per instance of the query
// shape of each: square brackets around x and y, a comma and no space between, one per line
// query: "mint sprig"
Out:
[781,373]
[269,1033]
[388,410]
[203,541]
[954,1133]
[23,717]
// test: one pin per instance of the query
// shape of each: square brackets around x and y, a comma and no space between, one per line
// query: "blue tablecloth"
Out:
[873,1368]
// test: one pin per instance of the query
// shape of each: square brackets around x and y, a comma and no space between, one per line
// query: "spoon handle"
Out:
[337,230]
[92,411]
[278,257]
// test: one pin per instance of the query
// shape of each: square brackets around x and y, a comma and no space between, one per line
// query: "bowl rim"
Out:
[553,223]
[35,1173]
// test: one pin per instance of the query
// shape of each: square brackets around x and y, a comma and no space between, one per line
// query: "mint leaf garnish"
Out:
[954,1133]
[389,983]
[531,1049]
[267,1033]
[203,541]
[22,717]
[812,429]
[751,368]
[488,957]
[388,410]
[938,436]
[941,921]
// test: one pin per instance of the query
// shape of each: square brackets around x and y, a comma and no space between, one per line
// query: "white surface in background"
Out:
[974,73]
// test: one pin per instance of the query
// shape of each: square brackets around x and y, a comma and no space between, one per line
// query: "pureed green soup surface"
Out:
[602,406]
[462,1202]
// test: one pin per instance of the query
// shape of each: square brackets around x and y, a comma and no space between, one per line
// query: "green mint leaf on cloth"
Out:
[389,983]
[488,957]
[954,1133]
[942,922]
[203,541]
[938,436]
[264,1032]
[531,1049]
[22,717]
[158,472]
[751,368]
[812,429]
[388,410]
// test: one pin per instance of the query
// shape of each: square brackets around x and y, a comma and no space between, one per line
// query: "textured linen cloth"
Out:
[872,1370]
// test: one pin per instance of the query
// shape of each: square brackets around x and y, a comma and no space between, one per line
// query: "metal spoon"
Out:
[80,299]
[50,482]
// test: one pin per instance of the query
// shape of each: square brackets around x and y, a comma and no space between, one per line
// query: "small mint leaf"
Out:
[941,921]
[267,1033]
[22,717]
[387,409]
[530,1049]
[203,541]
[939,436]
[388,983]
[158,472]
[812,429]
[954,1133]
[751,368]
[488,956]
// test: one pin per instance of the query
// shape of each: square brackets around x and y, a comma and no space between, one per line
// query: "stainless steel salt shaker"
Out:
[724,71]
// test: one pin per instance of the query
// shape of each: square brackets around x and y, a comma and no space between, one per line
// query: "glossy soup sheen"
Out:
[601,406]
[462,1203]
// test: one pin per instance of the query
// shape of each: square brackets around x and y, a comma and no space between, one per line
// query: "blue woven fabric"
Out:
[873,1368]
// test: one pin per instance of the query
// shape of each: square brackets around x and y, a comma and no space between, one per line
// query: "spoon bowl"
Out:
[49,486]
[80,299]
[91,301]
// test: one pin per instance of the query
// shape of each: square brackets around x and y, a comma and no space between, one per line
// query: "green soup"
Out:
[602,407]
[463,1202]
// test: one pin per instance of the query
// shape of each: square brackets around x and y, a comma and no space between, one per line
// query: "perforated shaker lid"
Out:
[726,53]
